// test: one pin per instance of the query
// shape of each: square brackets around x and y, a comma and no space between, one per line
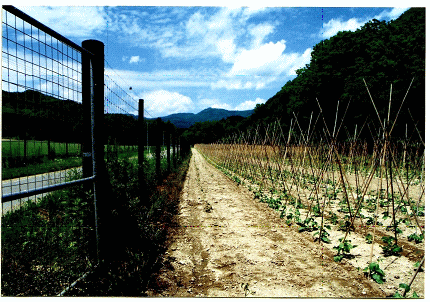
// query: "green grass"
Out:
[48,244]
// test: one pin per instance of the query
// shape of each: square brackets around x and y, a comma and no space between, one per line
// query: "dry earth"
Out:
[230,245]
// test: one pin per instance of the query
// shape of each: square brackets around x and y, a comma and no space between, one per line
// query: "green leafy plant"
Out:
[343,249]
[385,215]
[375,272]
[419,211]
[369,238]
[417,238]
[316,210]
[309,224]
[346,225]
[333,218]
[323,235]
[407,289]
[390,249]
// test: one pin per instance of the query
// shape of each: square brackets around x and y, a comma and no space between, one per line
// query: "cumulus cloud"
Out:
[257,68]
[161,103]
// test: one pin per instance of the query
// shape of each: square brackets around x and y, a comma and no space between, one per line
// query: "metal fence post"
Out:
[141,146]
[158,139]
[174,159]
[86,144]
[96,65]
[168,150]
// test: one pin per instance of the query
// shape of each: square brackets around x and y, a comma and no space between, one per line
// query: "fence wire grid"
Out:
[48,235]
[41,96]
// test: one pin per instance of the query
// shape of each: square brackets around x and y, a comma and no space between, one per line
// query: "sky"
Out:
[188,58]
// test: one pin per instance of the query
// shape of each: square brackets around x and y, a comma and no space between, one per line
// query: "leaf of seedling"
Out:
[405,286]
[385,215]
[377,278]
[416,238]
[376,273]
[397,295]
[338,258]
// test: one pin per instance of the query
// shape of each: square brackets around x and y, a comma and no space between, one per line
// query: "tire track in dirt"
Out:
[227,239]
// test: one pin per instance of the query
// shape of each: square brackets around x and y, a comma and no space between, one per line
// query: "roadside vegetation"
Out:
[47,245]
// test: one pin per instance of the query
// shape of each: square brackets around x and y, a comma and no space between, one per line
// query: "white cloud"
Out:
[258,59]
[161,103]
[70,21]
[257,68]
[249,104]
[260,32]
[333,26]
[392,14]
[215,103]
[135,59]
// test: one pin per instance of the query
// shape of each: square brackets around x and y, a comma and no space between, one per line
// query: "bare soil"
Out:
[229,244]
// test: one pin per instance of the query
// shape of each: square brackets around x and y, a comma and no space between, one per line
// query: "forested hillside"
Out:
[381,53]
[33,115]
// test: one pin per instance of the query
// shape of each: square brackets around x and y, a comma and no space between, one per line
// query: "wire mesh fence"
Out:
[41,93]
[67,123]
[48,226]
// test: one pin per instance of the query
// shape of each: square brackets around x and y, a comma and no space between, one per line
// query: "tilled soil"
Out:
[230,245]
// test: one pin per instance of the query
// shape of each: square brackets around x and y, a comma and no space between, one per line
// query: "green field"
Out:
[12,148]
[40,160]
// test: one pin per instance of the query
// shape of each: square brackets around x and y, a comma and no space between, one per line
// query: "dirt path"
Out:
[227,240]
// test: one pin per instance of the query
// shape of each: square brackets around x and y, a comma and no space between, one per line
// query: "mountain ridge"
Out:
[185,120]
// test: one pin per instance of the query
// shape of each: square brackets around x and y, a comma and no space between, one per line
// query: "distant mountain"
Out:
[185,120]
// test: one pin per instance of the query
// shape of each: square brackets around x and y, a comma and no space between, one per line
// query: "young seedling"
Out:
[323,235]
[390,249]
[375,272]
[417,238]
[343,249]
[309,224]
[369,238]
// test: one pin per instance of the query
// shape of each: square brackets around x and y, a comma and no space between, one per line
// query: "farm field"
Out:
[279,230]
[230,245]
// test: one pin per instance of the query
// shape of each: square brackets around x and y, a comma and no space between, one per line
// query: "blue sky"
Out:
[188,58]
